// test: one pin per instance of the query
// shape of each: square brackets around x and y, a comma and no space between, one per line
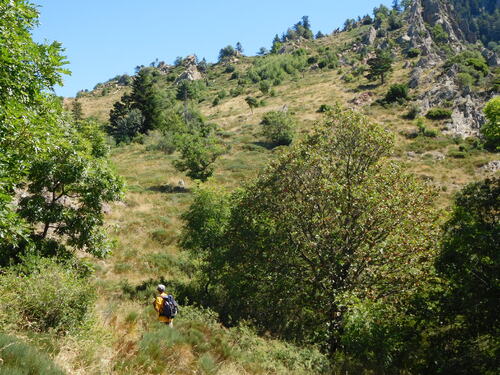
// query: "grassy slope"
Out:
[147,225]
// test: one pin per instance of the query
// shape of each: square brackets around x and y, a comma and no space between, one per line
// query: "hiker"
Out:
[166,306]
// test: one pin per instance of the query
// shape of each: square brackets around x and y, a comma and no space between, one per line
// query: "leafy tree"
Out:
[278,127]
[227,52]
[126,127]
[491,130]
[252,102]
[469,261]
[66,191]
[277,44]
[198,155]
[28,114]
[380,65]
[334,218]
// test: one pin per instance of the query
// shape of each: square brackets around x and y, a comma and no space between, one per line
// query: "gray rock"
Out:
[370,37]
[492,166]
[191,73]
[491,57]
[415,78]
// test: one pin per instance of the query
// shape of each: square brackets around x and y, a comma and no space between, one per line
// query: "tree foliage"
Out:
[278,127]
[491,130]
[332,217]
[380,65]
[43,154]
[28,113]
[465,338]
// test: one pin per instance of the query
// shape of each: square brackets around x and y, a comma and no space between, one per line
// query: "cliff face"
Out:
[423,17]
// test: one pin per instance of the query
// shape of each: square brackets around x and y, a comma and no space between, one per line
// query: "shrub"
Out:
[438,113]
[227,52]
[276,68]
[18,358]
[229,68]
[397,93]
[465,80]
[430,133]
[479,64]
[324,108]
[222,94]
[439,34]
[279,127]
[413,112]
[216,101]
[413,52]
[264,87]
[491,130]
[166,144]
[51,297]
[347,78]
[457,154]
[237,91]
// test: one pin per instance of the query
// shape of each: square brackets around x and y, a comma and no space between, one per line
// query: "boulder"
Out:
[370,37]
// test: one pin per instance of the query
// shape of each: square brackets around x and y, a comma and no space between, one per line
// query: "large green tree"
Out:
[466,337]
[331,220]
[28,112]
[45,157]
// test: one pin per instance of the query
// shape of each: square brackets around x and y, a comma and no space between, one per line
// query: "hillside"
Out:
[443,70]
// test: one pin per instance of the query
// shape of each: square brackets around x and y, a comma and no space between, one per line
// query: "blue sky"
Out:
[104,38]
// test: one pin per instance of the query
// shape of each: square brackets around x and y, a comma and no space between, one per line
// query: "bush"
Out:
[397,93]
[18,358]
[457,154]
[465,80]
[276,68]
[438,113]
[413,112]
[347,78]
[413,52]
[229,68]
[430,133]
[324,108]
[279,127]
[491,130]
[51,297]
[264,87]
[237,91]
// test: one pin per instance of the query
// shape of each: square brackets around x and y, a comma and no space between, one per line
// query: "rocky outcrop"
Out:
[191,73]
[425,14]
[370,37]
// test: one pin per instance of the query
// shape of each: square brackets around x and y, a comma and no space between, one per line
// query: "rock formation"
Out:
[191,73]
